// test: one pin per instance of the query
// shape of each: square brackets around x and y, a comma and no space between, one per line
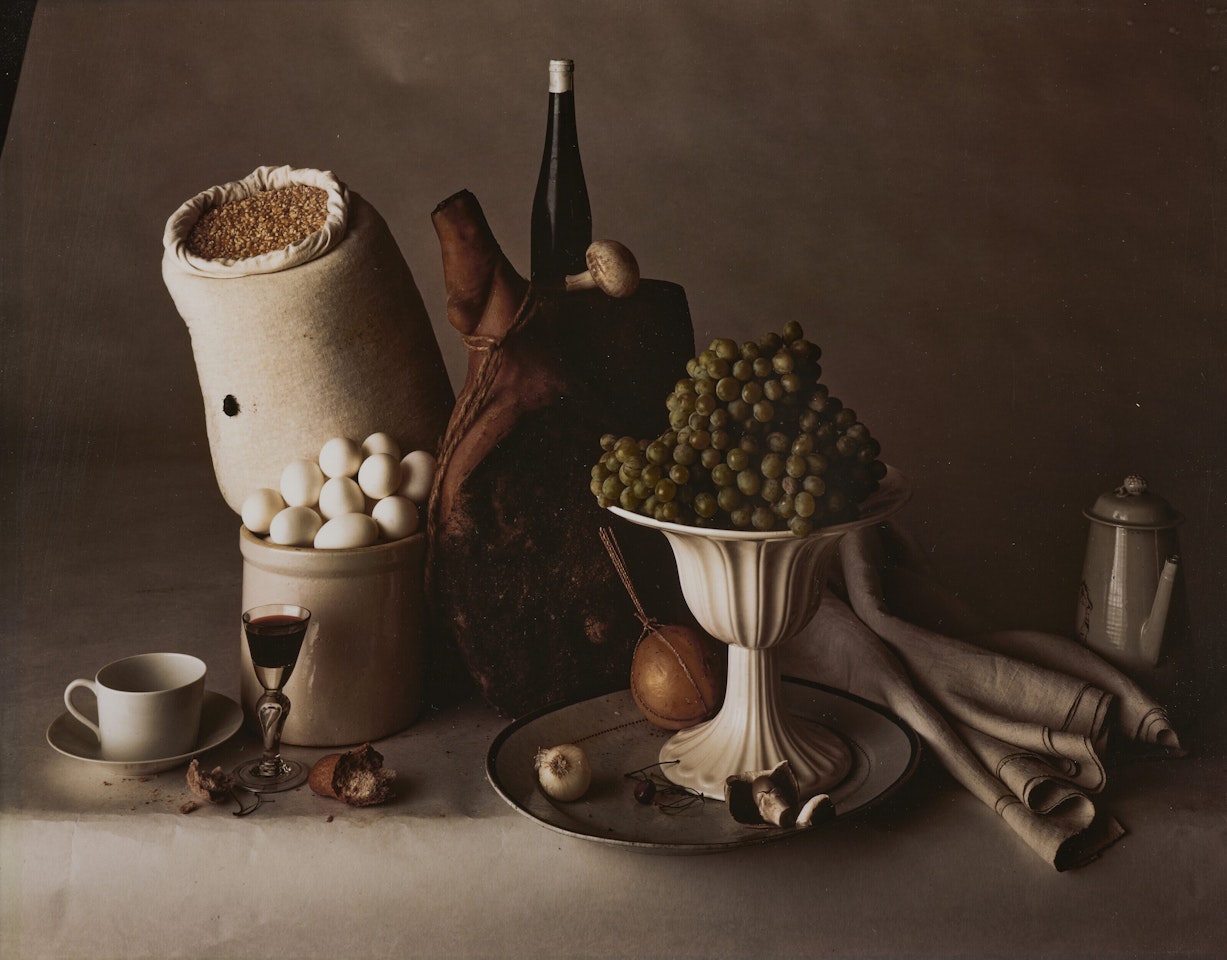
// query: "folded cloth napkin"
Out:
[1021,718]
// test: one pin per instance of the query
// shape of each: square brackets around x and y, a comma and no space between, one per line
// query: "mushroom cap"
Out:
[613,267]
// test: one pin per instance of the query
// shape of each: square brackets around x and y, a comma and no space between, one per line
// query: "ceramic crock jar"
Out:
[1131,605]
[359,675]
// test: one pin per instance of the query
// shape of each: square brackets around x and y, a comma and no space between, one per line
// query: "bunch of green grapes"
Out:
[755,442]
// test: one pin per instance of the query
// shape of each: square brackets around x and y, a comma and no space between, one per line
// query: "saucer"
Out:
[220,719]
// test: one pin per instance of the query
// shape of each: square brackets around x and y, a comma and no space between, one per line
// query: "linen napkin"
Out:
[1021,718]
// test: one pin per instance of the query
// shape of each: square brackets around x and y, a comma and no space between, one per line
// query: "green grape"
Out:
[792,331]
[651,474]
[795,466]
[803,504]
[721,439]
[802,445]
[728,499]
[709,457]
[800,526]
[641,489]
[749,482]
[685,454]
[762,518]
[725,348]
[752,392]
[739,410]
[667,512]
[628,501]
[608,440]
[705,404]
[728,388]
[770,491]
[658,452]
[718,368]
[737,459]
[596,486]
[772,466]
[741,516]
[665,490]
[743,370]
[679,474]
[778,441]
[722,475]
[770,342]
[783,362]
[764,411]
[762,367]
[814,486]
[705,505]
[700,439]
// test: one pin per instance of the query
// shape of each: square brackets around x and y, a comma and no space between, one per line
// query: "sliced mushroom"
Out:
[772,798]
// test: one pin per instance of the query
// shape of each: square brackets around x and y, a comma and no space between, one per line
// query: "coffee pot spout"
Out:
[1156,623]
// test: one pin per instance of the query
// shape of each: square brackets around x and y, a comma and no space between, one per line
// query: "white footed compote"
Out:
[755,591]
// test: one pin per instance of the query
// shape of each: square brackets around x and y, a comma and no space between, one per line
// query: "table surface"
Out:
[1010,214]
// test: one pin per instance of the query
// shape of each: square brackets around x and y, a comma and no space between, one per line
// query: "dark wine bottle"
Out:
[562,217]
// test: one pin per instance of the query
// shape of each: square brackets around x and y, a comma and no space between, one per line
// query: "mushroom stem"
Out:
[581,281]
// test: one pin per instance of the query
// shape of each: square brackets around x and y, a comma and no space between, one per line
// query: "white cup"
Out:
[148,706]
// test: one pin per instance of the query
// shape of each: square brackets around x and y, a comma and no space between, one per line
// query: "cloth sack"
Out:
[326,337]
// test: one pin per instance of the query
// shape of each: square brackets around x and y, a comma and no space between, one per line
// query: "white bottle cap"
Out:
[561,72]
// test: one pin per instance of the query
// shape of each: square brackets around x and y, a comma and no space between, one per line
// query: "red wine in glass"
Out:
[275,633]
[274,642]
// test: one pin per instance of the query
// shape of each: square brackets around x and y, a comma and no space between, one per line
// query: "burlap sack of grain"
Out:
[325,337]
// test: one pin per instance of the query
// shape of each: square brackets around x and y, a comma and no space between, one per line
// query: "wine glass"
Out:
[275,633]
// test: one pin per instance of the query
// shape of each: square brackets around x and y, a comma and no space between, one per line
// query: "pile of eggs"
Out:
[353,495]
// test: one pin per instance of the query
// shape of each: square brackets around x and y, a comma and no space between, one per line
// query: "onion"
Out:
[563,772]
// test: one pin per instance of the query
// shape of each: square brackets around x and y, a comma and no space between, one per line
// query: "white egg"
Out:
[340,457]
[260,507]
[417,474]
[301,481]
[341,495]
[379,476]
[396,517]
[295,527]
[381,443]
[347,530]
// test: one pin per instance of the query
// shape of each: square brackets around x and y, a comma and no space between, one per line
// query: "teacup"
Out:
[148,706]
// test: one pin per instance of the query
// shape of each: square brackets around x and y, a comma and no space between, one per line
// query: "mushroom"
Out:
[611,268]
[772,798]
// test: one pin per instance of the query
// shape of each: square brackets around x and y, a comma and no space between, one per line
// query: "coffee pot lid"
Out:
[1133,505]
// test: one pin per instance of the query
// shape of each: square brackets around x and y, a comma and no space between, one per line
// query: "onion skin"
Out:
[677,676]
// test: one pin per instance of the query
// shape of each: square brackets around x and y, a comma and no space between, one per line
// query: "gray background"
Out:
[1002,224]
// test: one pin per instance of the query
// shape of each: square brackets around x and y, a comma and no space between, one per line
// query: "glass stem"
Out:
[271,711]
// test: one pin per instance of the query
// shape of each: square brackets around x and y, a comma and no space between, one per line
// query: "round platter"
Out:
[618,740]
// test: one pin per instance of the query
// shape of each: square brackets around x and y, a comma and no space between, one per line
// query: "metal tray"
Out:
[618,741]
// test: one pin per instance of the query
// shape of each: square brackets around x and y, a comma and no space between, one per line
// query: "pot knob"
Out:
[1133,505]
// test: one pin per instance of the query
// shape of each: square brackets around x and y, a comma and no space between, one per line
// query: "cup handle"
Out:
[88,684]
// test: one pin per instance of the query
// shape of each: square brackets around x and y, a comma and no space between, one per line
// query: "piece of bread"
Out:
[357,777]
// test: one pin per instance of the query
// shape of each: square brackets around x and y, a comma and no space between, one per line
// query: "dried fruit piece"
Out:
[357,777]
